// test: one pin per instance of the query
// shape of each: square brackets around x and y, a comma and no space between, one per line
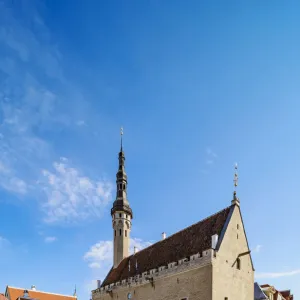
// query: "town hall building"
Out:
[209,260]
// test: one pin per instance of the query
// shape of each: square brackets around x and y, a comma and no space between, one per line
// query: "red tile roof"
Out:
[287,294]
[191,240]
[2,297]
[15,293]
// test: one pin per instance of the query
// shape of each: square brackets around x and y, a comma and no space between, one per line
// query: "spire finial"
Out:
[235,180]
[121,133]
[74,291]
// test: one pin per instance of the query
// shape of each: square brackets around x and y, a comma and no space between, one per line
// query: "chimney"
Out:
[214,241]
[33,288]
[98,284]
[163,235]
[26,295]
[135,250]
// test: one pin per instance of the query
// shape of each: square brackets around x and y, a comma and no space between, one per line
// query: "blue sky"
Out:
[196,86]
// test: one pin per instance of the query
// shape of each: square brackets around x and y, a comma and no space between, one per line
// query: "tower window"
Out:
[238,264]
[119,193]
[126,216]
[120,232]
[120,215]
[115,232]
[237,226]
[126,233]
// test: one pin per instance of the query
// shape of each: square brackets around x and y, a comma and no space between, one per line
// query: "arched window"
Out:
[238,264]
[120,231]
[126,233]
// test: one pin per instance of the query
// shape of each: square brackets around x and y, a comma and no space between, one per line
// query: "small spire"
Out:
[121,132]
[235,180]
[75,291]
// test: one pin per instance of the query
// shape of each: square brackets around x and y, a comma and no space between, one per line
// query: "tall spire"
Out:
[121,212]
[121,202]
[235,199]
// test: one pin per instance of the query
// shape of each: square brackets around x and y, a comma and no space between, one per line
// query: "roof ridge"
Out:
[37,291]
[128,257]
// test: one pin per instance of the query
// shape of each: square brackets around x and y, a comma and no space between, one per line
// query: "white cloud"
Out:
[50,239]
[257,248]
[277,274]
[72,196]
[100,255]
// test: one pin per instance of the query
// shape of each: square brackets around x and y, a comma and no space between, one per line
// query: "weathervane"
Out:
[236,178]
[121,132]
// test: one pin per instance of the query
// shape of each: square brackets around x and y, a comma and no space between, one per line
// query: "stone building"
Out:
[207,260]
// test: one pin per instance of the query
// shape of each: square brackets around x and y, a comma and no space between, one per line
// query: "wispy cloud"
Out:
[3,242]
[100,255]
[277,274]
[209,159]
[210,153]
[50,239]
[81,123]
[257,248]
[72,196]
[37,100]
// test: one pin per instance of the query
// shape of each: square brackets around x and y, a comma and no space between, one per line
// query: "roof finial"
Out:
[235,180]
[75,291]
[121,132]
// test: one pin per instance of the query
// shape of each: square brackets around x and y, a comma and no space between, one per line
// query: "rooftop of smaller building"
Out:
[15,293]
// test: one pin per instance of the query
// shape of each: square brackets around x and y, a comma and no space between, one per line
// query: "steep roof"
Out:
[258,293]
[14,293]
[191,240]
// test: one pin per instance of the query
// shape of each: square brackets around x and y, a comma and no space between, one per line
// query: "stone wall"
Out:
[229,281]
[191,278]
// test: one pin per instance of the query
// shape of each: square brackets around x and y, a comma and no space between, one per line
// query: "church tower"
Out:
[121,213]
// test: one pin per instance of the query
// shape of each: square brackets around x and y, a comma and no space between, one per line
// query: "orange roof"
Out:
[2,297]
[15,293]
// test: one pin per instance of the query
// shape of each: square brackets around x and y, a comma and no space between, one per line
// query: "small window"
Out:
[237,226]
[226,298]
[126,216]
[115,232]
[237,236]
[126,233]
[238,264]
[120,215]
[120,232]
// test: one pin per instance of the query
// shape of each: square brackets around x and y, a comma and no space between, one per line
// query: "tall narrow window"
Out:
[126,233]
[238,264]
[115,232]
[120,215]
[120,231]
